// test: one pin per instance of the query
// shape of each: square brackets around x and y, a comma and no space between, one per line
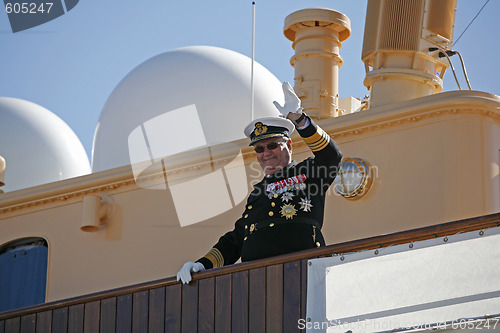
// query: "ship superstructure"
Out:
[169,179]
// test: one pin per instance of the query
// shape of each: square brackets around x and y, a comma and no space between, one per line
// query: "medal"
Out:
[288,211]
[305,205]
[287,196]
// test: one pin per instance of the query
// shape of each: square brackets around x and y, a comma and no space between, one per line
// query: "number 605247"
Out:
[28,7]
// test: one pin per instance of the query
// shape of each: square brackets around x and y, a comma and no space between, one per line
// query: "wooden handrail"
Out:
[434,231]
[419,234]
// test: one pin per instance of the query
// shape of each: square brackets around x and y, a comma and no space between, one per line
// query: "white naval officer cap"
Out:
[268,127]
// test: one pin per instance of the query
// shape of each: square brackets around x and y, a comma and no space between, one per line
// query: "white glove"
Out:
[185,273]
[292,101]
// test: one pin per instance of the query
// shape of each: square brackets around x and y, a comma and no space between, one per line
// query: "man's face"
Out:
[273,160]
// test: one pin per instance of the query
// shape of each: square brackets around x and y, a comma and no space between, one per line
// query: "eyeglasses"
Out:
[270,146]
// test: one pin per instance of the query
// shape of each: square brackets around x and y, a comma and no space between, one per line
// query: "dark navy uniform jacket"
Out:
[284,212]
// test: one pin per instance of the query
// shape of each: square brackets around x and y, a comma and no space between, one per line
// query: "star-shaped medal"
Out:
[305,205]
[288,211]
[287,196]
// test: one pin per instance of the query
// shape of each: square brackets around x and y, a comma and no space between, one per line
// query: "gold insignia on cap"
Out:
[260,129]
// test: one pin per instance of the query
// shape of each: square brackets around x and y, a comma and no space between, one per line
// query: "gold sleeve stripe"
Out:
[322,143]
[318,140]
[215,256]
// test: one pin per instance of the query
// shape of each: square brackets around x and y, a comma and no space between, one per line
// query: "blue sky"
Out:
[72,64]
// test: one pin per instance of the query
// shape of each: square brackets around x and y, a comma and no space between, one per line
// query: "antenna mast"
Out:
[253,59]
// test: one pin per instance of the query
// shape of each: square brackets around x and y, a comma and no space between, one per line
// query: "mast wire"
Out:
[467,27]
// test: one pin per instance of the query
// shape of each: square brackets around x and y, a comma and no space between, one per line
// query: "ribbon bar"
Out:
[286,182]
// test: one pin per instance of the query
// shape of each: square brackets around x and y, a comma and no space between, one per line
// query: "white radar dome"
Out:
[38,146]
[182,93]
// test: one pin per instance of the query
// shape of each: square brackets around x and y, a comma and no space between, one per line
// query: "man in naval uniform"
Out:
[284,212]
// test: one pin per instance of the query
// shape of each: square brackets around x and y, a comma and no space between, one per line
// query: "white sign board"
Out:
[448,283]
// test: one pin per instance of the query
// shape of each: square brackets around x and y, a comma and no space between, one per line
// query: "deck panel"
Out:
[124,313]
[303,290]
[173,300]
[190,307]
[223,303]
[91,318]
[291,296]
[28,323]
[206,304]
[75,318]
[239,302]
[257,300]
[274,299]
[108,315]
[13,325]
[60,320]
[156,320]
[140,312]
